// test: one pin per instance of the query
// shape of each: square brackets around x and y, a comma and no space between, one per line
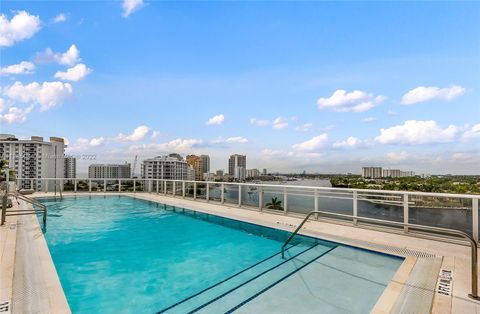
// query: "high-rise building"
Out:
[240,173]
[197,163]
[166,167]
[109,171]
[253,173]
[264,172]
[391,173]
[34,159]
[70,168]
[372,172]
[219,173]
[206,163]
[237,161]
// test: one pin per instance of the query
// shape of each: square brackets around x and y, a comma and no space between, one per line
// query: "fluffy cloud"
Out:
[218,119]
[47,94]
[466,158]
[473,132]
[23,67]
[259,122]
[60,18]
[70,57]
[307,127]
[396,157]
[176,145]
[279,123]
[14,114]
[129,6]
[350,142]
[415,132]
[22,26]
[369,120]
[99,141]
[155,135]
[231,140]
[427,93]
[138,134]
[356,101]
[77,73]
[312,144]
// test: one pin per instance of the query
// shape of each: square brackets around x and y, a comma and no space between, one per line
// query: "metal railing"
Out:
[411,227]
[445,210]
[19,212]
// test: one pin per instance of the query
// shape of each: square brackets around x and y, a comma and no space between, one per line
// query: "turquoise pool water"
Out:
[125,255]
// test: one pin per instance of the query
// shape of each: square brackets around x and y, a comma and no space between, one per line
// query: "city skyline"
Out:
[399,90]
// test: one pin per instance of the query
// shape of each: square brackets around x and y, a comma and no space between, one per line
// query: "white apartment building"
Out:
[109,171]
[372,172]
[237,165]
[240,173]
[166,167]
[70,168]
[252,173]
[391,173]
[34,159]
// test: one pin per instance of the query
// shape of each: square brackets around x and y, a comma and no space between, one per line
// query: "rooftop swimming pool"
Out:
[118,254]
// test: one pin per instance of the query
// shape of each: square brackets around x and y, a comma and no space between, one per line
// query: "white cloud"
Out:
[232,140]
[259,122]
[2,104]
[23,67]
[307,127]
[70,57]
[138,134]
[350,142]
[422,94]
[94,142]
[47,94]
[473,132]
[415,132]
[396,157]
[22,26]
[218,119]
[129,6]
[14,115]
[60,18]
[77,73]
[369,119]
[312,144]
[279,123]
[356,101]
[179,145]
[155,135]
[466,158]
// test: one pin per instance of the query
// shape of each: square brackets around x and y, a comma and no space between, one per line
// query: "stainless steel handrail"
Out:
[30,201]
[473,244]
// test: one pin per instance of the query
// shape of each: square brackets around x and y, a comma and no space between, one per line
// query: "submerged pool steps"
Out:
[242,287]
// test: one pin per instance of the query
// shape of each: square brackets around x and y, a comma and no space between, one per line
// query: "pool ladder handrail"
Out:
[473,243]
[29,200]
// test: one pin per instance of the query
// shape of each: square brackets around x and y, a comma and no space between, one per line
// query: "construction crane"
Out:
[134,166]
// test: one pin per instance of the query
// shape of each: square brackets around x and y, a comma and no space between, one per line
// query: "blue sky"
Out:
[294,85]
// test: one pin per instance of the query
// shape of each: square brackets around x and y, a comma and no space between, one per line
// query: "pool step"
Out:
[250,289]
[195,301]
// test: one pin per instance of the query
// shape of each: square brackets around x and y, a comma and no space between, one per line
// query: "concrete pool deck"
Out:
[22,231]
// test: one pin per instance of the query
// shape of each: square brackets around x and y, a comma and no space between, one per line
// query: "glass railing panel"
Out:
[250,195]
[300,201]
[444,212]
[97,185]
[68,185]
[140,185]
[82,186]
[126,186]
[340,202]
[112,185]
[189,189]
[231,194]
[272,198]
[201,190]
[380,205]
[215,192]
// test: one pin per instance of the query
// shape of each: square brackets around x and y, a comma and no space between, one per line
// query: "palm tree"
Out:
[274,204]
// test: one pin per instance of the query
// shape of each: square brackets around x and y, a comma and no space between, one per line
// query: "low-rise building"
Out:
[252,173]
[166,167]
[109,171]
[372,172]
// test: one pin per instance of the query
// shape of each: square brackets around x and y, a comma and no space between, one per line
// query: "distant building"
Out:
[109,171]
[237,161]
[252,173]
[219,173]
[372,172]
[34,159]
[407,173]
[166,167]
[197,163]
[208,176]
[391,173]
[264,172]
[206,163]
[70,168]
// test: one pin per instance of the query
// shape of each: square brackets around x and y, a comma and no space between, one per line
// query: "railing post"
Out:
[315,202]
[75,185]
[119,185]
[134,185]
[4,206]
[183,189]
[285,200]
[104,185]
[31,184]
[195,190]
[260,198]
[355,207]
[239,195]
[405,212]
[165,187]
[90,186]
[207,194]
[222,193]
[158,185]
[174,188]
[475,218]
[46,186]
